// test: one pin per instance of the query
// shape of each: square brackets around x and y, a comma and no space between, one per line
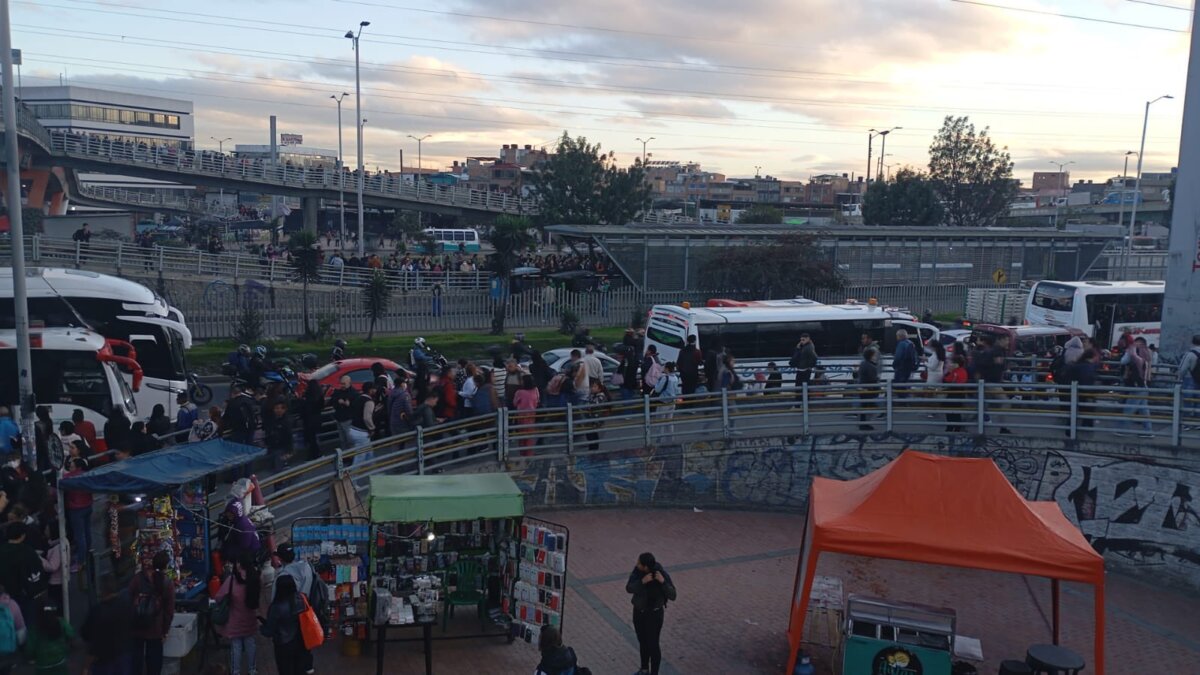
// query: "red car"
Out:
[359,370]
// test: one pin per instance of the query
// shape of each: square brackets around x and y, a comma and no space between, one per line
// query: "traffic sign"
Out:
[1000,276]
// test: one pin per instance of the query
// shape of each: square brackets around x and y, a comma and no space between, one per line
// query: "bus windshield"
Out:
[1055,297]
[777,340]
[69,377]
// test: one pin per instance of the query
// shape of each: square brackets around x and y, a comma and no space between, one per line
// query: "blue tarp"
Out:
[163,469]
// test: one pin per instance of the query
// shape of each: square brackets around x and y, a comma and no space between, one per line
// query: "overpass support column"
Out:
[1181,309]
[310,207]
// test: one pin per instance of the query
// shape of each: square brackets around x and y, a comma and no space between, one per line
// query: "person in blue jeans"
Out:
[904,361]
[1191,387]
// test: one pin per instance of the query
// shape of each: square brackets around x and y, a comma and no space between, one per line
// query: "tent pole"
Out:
[1054,589]
[1098,591]
[800,605]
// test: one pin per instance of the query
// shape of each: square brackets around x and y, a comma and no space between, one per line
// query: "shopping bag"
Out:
[220,611]
[310,627]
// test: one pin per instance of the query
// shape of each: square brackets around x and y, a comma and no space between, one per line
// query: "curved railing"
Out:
[1169,416]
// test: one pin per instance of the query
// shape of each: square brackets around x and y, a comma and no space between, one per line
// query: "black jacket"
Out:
[557,661]
[653,595]
[868,372]
[106,629]
[343,404]
[688,363]
[283,620]
[804,358]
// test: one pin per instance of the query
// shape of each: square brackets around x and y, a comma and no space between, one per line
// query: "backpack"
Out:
[8,632]
[319,595]
[554,387]
[147,604]
[652,373]
[1057,367]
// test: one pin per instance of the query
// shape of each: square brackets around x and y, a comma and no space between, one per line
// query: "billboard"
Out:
[291,139]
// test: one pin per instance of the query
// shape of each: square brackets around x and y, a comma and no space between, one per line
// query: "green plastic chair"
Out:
[467,591]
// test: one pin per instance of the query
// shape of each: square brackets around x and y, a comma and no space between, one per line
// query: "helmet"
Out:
[309,361]
[260,351]
[419,342]
[244,350]
[287,373]
[339,343]
[519,337]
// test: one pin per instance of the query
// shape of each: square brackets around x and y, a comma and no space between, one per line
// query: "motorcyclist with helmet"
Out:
[240,363]
[339,350]
[260,365]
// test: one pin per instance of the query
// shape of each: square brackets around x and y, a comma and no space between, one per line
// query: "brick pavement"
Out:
[735,572]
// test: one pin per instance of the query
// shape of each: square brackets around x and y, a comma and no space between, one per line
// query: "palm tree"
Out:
[376,295]
[510,236]
[306,262]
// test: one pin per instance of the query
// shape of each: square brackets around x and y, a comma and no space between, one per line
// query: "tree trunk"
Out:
[304,302]
[371,329]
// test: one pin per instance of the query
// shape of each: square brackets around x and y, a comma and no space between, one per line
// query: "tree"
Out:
[906,201]
[791,265]
[510,236]
[760,214]
[306,263]
[970,174]
[578,185]
[376,295]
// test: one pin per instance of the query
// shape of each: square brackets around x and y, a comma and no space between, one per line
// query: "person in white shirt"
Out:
[595,368]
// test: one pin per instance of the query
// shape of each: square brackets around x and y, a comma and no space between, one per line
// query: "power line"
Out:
[1062,15]
[1160,4]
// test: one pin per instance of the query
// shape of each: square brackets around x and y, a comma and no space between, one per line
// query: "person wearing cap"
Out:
[299,570]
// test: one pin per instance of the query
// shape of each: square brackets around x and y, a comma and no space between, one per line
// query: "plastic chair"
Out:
[467,590]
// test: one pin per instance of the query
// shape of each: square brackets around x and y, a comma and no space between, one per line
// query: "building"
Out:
[825,188]
[1046,182]
[295,155]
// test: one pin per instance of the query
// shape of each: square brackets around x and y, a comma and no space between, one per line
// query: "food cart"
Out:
[885,637]
[446,541]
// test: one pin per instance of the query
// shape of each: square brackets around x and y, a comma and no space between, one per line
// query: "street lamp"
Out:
[420,164]
[340,165]
[1137,185]
[358,116]
[1061,187]
[221,151]
[1124,186]
[871,134]
[644,148]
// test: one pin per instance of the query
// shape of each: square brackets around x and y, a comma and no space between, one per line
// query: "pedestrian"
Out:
[85,429]
[52,562]
[904,360]
[153,595]
[312,405]
[21,570]
[18,619]
[342,402]
[688,362]
[464,382]
[448,402]
[159,425]
[239,420]
[106,631]
[1188,374]
[935,362]
[204,429]
[283,627]
[651,588]
[48,645]
[556,659]
[666,394]
[955,376]
[651,369]
[425,415]
[243,587]
[526,400]
[185,417]
[400,408]
[1135,375]
[804,359]
[991,362]
[540,370]
[43,431]
[868,382]
[629,373]
[279,438]
[78,505]
[140,442]
[10,433]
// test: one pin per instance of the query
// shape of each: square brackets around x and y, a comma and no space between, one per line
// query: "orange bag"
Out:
[310,627]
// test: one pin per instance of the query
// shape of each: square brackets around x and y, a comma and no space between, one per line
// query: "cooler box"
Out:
[182,636]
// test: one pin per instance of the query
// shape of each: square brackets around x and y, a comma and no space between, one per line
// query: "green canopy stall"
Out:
[444,498]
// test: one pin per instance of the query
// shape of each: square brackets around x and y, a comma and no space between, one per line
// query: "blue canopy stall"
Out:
[161,470]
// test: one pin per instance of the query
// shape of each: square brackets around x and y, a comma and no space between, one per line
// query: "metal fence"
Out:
[191,163]
[1167,416]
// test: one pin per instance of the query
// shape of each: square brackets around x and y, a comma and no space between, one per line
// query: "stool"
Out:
[1013,667]
[1053,660]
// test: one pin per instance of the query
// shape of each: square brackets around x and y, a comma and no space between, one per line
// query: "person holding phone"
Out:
[651,588]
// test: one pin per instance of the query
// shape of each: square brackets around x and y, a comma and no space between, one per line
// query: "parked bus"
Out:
[116,308]
[757,333]
[72,368]
[1101,309]
[451,241]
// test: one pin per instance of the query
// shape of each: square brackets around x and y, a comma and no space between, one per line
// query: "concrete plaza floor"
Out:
[735,572]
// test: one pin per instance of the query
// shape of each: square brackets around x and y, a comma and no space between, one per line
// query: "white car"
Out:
[557,358]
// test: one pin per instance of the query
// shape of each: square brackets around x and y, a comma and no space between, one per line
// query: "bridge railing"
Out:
[231,167]
[1166,416]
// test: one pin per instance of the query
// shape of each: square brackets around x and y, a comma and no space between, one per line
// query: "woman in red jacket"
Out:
[955,374]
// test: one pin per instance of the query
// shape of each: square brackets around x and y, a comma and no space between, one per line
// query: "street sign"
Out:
[1000,276]
[16,56]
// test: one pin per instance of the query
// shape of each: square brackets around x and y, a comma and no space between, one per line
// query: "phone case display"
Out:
[405,552]
[340,554]
[191,533]
[539,591]
[417,600]
[156,532]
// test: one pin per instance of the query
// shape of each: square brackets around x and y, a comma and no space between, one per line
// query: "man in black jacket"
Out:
[652,588]
[804,359]
[343,410]
[688,363]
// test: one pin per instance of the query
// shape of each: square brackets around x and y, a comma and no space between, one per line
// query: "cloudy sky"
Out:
[791,86]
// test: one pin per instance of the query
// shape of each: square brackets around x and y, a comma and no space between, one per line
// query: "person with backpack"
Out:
[106,631]
[1135,374]
[243,587]
[1189,376]
[651,369]
[153,597]
[12,631]
[187,414]
[49,644]
[651,588]
[240,418]
[665,394]
[21,568]
[283,627]
[309,583]
[556,658]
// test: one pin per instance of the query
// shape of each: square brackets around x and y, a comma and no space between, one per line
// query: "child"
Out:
[49,643]
[52,563]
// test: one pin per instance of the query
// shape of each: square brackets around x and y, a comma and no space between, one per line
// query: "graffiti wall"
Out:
[1142,516]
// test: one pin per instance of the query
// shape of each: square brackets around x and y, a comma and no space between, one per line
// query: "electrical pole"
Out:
[341,173]
[1137,187]
[358,120]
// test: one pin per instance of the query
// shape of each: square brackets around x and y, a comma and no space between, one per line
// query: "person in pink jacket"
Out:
[244,588]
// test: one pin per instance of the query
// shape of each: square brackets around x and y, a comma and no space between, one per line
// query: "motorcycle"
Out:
[198,392]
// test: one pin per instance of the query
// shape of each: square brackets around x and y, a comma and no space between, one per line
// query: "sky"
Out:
[787,88]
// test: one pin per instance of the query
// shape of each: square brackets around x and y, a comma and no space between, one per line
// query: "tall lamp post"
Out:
[340,169]
[358,116]
[883,149]
[1061,187]
[1124,191]
[644,142]
[420,164]
[221,151]
[1137,187]
[871,134]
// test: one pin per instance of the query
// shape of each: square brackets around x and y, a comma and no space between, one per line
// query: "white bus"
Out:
[1101,309]
[116,308]
[757,333]
[72,368]
[452,240]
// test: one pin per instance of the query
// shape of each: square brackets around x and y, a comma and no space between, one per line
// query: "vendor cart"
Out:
[885,637]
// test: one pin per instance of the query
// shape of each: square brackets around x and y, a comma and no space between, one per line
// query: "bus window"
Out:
[665,337]
[1055,297]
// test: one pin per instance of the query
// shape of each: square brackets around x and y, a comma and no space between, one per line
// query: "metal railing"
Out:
[230,167]
[154,199]
[1169,416]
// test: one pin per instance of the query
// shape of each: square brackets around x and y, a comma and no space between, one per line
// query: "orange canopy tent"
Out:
[944,511]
